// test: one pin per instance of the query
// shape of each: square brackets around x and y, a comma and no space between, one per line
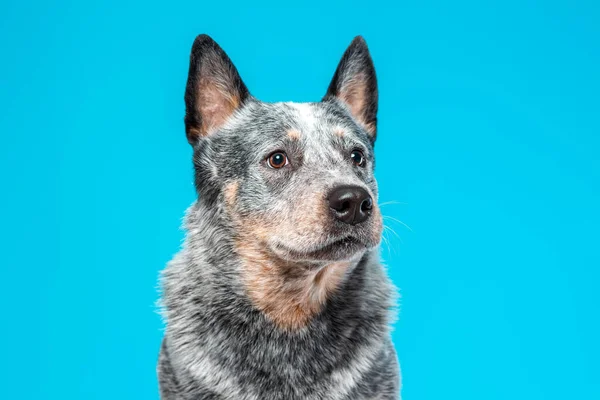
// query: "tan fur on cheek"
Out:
[307,218]
[377,221]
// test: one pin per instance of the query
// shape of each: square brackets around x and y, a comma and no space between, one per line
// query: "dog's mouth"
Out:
[336,250]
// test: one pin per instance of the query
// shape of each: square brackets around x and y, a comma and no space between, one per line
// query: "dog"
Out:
[277,292]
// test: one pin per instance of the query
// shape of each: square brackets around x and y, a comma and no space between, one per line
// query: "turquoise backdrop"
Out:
[489,149]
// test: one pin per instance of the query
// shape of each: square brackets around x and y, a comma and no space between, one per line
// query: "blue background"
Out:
[489,148]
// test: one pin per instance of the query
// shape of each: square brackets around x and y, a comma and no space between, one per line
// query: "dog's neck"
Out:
[289,293]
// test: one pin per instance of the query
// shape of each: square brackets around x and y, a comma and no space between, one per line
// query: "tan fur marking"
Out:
[339,132]
[293,134]
[196,132]
[230,192]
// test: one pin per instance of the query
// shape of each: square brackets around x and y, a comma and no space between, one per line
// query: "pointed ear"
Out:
[355,84]
[214,89]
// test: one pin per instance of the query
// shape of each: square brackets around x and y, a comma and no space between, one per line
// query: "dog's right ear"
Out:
[214,89]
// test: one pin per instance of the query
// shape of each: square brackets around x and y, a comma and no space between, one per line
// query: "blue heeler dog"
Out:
[278,292]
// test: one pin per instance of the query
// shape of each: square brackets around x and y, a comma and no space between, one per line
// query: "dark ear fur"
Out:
[214,89]
[355,84]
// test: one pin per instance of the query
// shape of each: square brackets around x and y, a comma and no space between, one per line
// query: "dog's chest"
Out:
[255,373]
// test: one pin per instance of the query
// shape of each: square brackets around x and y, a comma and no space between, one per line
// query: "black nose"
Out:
[351,204]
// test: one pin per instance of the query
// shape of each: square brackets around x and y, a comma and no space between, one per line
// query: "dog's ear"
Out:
[214,89]
[355,84]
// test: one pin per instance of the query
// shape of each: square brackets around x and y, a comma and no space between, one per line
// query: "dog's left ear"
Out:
[355,84]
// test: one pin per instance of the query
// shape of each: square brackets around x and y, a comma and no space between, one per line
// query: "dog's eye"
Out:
[278,160]
[358,158]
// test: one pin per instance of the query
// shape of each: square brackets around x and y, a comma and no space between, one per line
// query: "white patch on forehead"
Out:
[314,132]
[307,117]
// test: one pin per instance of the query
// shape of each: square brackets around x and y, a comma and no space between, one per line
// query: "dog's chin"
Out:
[342,249]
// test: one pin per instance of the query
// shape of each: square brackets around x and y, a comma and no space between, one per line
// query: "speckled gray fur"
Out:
[217,344]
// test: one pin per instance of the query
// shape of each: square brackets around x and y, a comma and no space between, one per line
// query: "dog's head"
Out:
[296,179]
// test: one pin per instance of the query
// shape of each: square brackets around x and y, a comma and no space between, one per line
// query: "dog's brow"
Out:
[294,134]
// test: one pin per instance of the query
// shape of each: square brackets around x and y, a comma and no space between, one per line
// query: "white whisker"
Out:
[389,203]
[398,221]
[387,243]
[393,231]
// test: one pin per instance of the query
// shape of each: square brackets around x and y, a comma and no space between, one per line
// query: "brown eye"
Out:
[358,158]
[277,160]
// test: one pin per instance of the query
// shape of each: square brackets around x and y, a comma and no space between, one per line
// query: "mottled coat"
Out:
[274,295]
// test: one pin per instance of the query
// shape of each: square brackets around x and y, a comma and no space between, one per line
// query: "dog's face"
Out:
[296,179]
